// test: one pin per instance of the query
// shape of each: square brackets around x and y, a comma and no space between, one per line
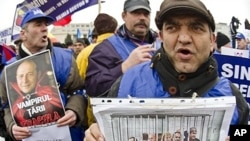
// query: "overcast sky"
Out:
[222,10]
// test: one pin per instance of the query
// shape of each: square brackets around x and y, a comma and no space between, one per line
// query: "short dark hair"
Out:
[69,43]
[105,23]
[86,41]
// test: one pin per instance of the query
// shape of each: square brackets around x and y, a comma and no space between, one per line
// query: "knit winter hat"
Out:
[221,39]
[105,23]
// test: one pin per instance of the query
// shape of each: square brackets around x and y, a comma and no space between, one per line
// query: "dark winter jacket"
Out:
[158,79]
[106,59]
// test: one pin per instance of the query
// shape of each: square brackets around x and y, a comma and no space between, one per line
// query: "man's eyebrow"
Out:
[171,22]
[199,20]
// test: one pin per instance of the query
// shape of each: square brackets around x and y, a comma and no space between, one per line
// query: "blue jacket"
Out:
[147,84]
[106,59]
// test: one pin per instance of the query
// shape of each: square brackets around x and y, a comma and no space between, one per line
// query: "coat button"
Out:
[172,90]
[210,69]
[182,77]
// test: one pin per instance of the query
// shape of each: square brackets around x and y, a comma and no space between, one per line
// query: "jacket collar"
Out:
[22,51]
[104,36]
[125,33]
[184,84]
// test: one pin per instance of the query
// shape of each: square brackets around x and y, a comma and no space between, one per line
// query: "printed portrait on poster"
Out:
[32,90]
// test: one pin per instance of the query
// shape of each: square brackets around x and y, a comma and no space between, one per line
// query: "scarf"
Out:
[184,84]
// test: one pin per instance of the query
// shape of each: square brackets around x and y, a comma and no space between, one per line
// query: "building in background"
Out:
[61,32]
[224,28]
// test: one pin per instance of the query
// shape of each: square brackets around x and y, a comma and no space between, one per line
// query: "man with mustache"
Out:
[131,45]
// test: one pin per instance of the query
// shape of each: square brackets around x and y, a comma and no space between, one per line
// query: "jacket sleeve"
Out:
[7,113]
[104,67]
[75,102]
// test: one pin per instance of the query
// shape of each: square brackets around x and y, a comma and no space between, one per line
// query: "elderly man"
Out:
[34,36]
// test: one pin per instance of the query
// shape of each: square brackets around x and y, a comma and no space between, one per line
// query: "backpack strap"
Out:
[242,105]
[115,88]
[203,90]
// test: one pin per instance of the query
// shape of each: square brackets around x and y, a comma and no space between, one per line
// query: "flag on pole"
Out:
[6,53]
[90,35]
[60,10]
[78,34]
[19,13]
[64,21]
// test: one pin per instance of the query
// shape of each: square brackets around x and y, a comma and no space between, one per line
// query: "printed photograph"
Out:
[32,91]
[162,122]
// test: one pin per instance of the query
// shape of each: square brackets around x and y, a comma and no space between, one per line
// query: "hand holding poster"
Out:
[34,97]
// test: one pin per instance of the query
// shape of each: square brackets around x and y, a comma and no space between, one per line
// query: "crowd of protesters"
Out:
[128,59]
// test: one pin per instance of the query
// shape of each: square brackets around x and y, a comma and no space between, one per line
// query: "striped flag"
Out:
[6,53]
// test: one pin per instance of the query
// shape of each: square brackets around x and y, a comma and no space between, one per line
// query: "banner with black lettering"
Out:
[236,69]
[5,36]
[57,9]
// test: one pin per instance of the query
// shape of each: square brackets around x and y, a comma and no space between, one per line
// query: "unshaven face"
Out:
[188,42]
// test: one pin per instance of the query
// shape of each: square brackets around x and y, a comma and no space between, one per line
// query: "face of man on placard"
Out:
[26,76]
